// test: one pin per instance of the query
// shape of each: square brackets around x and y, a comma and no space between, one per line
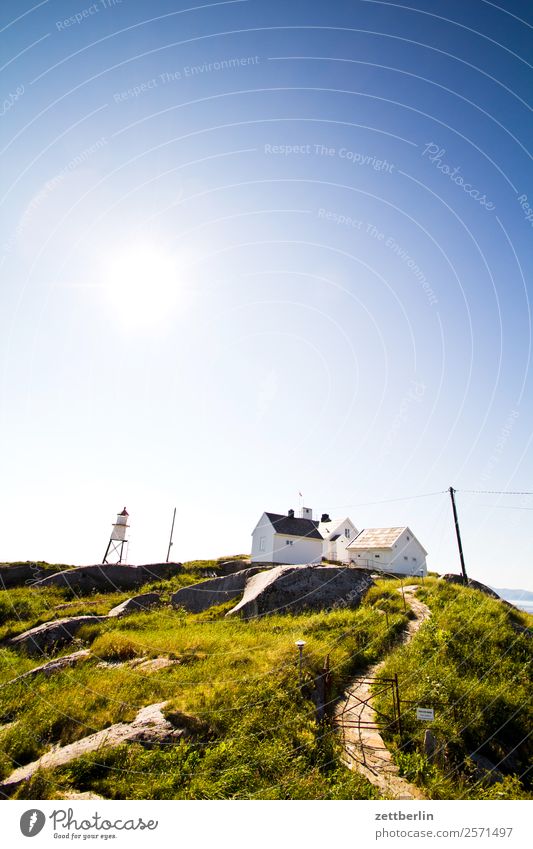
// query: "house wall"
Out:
[395,560]
[302,550]
[337,550]
[343,542]
[265,531]
[276,550]
[416,559]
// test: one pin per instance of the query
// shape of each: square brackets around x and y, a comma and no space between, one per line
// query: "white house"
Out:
[290,539]
[287,539]
[389,550]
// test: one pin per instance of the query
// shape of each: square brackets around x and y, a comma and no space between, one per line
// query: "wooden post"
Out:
[397,690]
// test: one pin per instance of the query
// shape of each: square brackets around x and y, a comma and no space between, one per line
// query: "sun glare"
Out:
[141,284]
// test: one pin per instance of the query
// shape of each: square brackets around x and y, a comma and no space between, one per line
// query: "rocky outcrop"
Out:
[452,578]
[52,666]
[228,567]
[20,574]
[291,589]
[76,796]
[146,665]
[59,632]
[215,591]
[51,635]
[149,727]
[110,576]
[136,604]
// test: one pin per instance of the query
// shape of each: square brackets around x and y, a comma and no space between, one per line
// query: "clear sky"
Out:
[251,249]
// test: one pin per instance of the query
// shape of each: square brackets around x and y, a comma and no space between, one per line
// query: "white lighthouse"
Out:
[117,540]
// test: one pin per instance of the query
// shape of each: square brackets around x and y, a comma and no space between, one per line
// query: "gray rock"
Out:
[215,591]
[228,567]
[51,635]
[291,589]
[110,576]
[75,795]
[452,578]
[20,574]
[149,727]
[52,666]
[430,743]
[136,604]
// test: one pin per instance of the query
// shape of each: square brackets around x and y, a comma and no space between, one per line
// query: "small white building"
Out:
[287,539]
[337,535]
[388,550]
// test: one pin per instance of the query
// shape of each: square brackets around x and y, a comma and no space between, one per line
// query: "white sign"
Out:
[425,713]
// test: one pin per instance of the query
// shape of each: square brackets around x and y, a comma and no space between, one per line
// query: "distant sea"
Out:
[522,603]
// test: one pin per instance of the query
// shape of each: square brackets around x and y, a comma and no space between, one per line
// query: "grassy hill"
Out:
[261,738]
[471,662]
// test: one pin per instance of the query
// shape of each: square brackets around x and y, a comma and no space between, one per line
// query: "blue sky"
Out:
[250,249]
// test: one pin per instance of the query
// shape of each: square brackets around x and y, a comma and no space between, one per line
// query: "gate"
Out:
[358,717]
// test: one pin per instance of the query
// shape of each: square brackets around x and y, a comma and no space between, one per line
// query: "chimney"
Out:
[306,513]
[291,514]
[325,517]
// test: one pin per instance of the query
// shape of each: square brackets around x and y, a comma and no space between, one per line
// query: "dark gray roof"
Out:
[295,527]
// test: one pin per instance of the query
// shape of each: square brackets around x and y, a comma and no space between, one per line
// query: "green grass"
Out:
[471,665]
[25,607]
[239,678]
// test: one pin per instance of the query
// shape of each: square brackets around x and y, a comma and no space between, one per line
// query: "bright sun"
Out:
[141,284]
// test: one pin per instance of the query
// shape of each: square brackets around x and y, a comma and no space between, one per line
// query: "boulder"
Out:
[430,744]
[452,578]
[228,567]
[291,589]
[149,727]
[52,666]
[51,635]
[110,576]
[136,604]
[20,574]
[214,591]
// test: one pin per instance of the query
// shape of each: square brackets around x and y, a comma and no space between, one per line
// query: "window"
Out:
[289,542]
[261,543]
[405,557]
[408,538]
[347,533]
[414,558]
[376,555]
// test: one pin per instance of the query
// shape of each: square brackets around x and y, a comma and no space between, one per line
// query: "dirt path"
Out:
[364,748]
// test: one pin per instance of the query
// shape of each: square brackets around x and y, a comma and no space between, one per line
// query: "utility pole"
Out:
[458,534]
[170,544]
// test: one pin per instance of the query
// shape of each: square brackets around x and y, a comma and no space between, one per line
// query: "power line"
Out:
[492,492]
[504,507]
[390,500]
